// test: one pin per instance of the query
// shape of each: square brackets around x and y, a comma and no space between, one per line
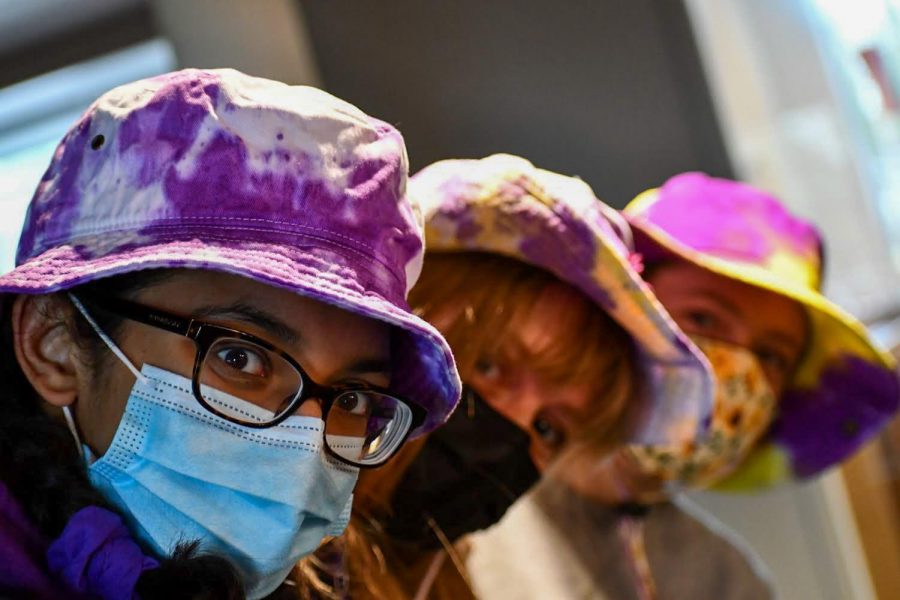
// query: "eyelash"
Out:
[484,365]
[702,319]
[772,358]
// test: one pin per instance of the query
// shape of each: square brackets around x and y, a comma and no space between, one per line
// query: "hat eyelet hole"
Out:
[97,142]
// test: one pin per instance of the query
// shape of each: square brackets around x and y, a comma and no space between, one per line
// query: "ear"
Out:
[45,349]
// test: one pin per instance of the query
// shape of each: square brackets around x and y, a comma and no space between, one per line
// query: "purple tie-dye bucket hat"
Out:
[845,389]
[286,185]
[505,205]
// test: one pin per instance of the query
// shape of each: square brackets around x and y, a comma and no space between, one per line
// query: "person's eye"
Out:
[356,403]
[774,360]
[701,320]
[244,360]
[488,369]
[549,433]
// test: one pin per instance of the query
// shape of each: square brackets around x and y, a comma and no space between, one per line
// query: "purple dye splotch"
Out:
[554,232]
[821,427]
[565,245]
[174,114]
[55,204]
[221,180]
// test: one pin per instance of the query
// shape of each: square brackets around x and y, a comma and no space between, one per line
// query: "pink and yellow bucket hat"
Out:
[845,389]
[505,205]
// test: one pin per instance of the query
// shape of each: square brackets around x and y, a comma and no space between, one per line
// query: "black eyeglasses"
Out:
[246,380]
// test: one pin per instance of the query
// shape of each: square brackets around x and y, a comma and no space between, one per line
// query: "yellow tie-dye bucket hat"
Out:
[502,204]
[845,389]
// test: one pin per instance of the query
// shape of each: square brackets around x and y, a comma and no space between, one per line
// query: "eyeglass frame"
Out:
[205,334]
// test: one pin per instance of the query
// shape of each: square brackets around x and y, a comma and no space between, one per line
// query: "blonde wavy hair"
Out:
[478,301]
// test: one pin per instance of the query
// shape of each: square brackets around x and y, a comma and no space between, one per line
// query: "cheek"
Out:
[166,351]
[776,379]
[575,405]
[540,455]
[101,403]
[510,410]
[105,394]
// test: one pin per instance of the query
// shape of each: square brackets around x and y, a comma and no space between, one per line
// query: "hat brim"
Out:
[817,427]
[424,371]
[677,388]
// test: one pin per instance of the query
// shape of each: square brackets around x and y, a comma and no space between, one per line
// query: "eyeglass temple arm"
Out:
[142,314]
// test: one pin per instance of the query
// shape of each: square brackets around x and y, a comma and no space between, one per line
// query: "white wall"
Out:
[266,38]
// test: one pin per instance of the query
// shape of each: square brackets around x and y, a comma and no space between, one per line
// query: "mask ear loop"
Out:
[67,412]
[107,340]
[70,422]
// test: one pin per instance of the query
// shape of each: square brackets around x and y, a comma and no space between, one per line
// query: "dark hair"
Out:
[44,470]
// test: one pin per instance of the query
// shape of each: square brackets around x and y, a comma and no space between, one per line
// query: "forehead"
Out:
[680,283]
[554,314]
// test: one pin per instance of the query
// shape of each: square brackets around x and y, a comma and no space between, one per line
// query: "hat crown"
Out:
[219,154]
[503,203]
[734,222]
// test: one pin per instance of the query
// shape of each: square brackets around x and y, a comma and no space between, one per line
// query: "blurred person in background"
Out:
[800,387]
[205,337]
[559,344]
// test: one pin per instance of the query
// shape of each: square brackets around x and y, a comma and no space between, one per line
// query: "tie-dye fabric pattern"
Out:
[503,204]
[217,170]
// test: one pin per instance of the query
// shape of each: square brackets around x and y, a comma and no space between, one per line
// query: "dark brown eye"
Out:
[487,368]
[97,142]
[348,402]
[242,360]
[356,403]
[774,360]
[236,359]
[702,319]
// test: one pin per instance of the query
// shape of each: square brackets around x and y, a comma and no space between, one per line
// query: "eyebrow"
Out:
[281,330]
[369,366]
[790,342]
[776,337]
[725,303]
[254,316]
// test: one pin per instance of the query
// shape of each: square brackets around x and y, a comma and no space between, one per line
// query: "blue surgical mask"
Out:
[263,498]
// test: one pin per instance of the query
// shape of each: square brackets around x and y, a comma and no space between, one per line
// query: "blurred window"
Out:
[35,114]
[860,43]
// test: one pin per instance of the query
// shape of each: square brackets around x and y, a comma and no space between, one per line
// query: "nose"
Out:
[311,407]
[739,335]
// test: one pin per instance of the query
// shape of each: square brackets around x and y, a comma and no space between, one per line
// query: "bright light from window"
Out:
[36,113]
[858,22]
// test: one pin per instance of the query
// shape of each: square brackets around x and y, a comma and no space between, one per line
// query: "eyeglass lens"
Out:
[251,384]
[366,427]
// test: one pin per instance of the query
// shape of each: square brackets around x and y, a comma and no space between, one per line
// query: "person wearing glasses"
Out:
[560,345]
[205,338]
